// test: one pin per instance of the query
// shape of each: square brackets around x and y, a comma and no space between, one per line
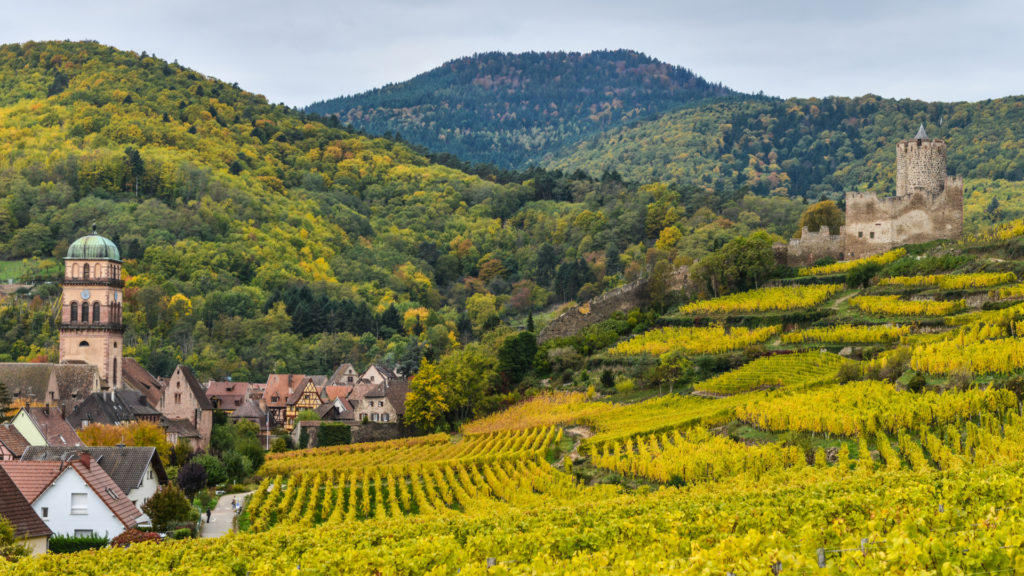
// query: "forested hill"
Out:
[513,109]
[260,239]
[806,147]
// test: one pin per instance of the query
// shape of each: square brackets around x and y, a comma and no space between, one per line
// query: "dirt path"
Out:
[835,306]
[579,434]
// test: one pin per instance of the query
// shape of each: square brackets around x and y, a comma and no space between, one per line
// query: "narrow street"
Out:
[222,518]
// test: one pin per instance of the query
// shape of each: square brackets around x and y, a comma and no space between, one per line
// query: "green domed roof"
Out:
[93,247]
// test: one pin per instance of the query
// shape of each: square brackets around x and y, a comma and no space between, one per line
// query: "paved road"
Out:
[221,520]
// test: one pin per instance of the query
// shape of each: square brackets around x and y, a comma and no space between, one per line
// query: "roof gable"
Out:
[54,428]
[126,465]
[185,374]
[31,478]
[108,491]
[13,440]
[16,508]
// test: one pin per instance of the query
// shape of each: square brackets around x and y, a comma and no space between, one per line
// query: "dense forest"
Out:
[261,239]
[807,147]
[514,109]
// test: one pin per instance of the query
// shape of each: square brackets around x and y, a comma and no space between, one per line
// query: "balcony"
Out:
[114,282]
[92,326]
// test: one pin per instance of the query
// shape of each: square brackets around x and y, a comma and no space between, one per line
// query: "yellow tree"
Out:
[427,402]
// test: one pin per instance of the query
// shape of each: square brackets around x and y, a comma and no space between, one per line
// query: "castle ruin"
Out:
[928,205]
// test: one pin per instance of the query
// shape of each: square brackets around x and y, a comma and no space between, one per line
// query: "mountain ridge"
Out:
[531,102]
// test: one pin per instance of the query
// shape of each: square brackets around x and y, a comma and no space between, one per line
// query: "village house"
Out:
[137,470]
[345,375]
[28,526]
[307,396]
[76,498]
[184,400]
[45,427]
[227,396]
[113,407]
[139,379]
[61,386]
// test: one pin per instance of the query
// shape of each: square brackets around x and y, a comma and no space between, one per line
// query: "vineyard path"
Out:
[223,517]
[579,434]
[835,306]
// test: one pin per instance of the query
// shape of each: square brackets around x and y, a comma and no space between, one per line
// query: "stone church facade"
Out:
[928,205]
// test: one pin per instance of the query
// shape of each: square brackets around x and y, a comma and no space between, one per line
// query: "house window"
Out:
[46,512]
[385,417]
[177,397]
[374,417]
[149,474]
[872,234]
[79,503]
[83,533]
[860,234]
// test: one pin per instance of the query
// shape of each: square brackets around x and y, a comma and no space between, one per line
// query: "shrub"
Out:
[623,385]
[916,383]
[191,478]
[134,536]
[62,544]
[10,547]
[167,507]
[334,435]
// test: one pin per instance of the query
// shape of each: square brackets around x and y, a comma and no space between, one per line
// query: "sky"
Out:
[301,51]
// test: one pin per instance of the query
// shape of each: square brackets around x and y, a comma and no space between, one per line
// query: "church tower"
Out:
[90,324]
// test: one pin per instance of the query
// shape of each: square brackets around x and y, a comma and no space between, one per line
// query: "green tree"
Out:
[215,472]
[237,466]
[824,213]
[515,358]
[167,507]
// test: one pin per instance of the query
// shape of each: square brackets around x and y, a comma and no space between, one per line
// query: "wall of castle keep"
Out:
[875,225]
[920,166]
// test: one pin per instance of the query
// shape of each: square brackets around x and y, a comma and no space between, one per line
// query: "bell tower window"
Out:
[85,312]
[95,312]
[74,311]
[85,271]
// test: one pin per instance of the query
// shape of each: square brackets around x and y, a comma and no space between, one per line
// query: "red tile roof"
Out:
[332,392]
[140,379]
[16,508]
[231,394]
[107,490]
[53,427]
[279,388]
[31,478]
[13,440]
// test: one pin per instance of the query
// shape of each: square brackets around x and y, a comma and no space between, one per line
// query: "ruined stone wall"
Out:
[813,246]
[875,225]
[600,308]
[920,166]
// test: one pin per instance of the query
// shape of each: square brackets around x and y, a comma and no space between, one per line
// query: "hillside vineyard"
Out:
[335,355]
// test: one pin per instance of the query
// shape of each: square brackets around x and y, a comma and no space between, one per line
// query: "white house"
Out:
[76,498]
[137,470]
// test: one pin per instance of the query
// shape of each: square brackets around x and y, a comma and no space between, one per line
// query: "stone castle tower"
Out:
[928,205]
[90,327]
[920,165]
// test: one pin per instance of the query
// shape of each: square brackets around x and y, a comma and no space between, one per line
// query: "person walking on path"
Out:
[209,511]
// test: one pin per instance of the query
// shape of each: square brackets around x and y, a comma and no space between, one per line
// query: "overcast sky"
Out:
[301,51]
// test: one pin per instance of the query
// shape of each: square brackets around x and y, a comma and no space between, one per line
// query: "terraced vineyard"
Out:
[904,459]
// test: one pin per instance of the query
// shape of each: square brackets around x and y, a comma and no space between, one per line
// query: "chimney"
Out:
[86,459]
